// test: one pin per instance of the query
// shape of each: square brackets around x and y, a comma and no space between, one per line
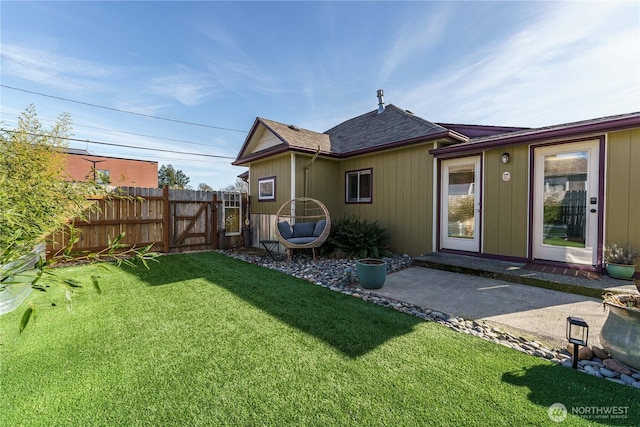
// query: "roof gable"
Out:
[297,137]
[268,137]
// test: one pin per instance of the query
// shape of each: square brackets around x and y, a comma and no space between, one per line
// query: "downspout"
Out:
[306,170]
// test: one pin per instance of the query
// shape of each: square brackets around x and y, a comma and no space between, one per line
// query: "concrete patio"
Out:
[493,291]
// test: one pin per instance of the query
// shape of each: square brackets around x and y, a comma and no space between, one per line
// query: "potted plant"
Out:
[372,272]
[619,333]
[620,261]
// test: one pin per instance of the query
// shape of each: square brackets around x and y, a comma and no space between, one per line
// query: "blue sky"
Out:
[313,64]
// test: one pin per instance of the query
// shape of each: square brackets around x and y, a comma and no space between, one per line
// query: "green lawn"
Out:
[202,339]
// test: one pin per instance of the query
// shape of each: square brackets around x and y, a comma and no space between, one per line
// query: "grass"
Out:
[202,339]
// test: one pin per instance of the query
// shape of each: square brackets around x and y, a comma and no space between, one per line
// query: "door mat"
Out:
[565,271]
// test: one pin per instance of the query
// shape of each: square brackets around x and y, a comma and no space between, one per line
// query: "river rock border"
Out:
[339,275]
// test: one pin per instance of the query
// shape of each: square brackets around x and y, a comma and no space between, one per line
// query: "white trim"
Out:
[471,244]
[434,207]
[292,180]
[588,254]
[237,205]
[358,173]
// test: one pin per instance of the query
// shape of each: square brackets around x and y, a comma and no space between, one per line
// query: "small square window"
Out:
[359,186]
[267,189]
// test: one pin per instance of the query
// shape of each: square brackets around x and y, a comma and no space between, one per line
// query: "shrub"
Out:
[36,200]
[357,238]
[625,255]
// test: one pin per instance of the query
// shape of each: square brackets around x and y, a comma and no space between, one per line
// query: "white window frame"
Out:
[232,203]
[357,174]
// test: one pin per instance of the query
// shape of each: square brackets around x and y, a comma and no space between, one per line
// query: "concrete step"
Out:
[516,273]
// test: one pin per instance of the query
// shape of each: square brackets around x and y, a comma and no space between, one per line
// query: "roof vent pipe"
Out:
[380,101]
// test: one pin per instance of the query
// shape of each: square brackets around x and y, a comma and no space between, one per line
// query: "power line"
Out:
[121,111]
[112,144]
[126,132]
[173,160]
[6,58]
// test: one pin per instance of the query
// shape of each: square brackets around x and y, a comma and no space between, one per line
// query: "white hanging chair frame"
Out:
[297,211]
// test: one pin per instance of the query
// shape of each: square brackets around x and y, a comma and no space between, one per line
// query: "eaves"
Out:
[481,144]
[449,136]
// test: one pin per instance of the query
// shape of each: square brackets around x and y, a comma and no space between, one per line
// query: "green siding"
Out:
[622,189]
[402,196]
[323,181]
[505,206]
[280,167]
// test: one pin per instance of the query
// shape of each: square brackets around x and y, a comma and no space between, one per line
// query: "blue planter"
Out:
[372,273]
[621,271]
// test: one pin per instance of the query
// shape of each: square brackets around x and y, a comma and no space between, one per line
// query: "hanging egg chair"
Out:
[302,223]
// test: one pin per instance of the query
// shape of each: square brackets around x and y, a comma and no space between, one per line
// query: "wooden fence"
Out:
[170,220]
[573,213]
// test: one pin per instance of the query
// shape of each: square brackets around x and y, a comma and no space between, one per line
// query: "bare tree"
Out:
[241,186]
[204,187]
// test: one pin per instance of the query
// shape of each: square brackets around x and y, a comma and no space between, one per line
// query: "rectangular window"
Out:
[232,213]
[103,176]
[359,186]
[267,189]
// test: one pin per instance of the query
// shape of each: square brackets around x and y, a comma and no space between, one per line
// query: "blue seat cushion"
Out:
[301,240]
[319,228]
[285,229]
[304,229]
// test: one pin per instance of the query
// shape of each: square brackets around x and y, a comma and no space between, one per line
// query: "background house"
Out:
[82,167]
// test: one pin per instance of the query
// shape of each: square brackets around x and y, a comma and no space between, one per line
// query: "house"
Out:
[83,167]
[551,194]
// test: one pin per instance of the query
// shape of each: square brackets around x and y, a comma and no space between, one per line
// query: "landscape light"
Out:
[577,334]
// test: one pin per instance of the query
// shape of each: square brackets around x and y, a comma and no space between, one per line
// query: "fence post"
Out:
[166,220]
[214,214]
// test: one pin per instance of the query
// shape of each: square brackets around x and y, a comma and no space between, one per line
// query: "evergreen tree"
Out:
[171,177]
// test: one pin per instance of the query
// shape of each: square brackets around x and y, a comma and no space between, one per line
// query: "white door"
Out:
[460,207]
[565,203]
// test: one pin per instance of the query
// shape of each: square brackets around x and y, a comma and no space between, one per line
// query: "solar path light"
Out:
[577,334]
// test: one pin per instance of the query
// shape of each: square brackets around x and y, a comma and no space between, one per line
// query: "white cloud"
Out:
[416,37]
[575,61]
[41,65]
[185,86]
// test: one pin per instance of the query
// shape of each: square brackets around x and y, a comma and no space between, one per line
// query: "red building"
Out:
[82,166]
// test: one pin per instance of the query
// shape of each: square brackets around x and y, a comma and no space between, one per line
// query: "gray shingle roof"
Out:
[368,132]
[372,130]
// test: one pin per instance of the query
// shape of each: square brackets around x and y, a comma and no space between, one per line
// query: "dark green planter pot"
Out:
[620,335]
[621,271]
[372,273]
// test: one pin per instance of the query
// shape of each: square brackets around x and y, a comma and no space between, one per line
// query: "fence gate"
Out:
[169,220]
[193,224]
